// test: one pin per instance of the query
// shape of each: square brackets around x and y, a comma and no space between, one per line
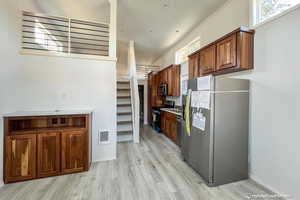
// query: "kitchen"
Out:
[202,120]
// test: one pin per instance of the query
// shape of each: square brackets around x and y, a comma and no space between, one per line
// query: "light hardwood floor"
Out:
[151,170]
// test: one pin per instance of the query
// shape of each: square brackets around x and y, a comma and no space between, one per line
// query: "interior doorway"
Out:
[141,95]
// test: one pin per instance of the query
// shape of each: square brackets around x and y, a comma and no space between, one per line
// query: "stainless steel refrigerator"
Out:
[217,144]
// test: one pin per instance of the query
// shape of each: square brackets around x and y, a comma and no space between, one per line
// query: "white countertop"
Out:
[48,113]
[170,111]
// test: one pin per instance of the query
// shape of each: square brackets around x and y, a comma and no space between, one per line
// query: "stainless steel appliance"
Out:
[163,89]
[217,144]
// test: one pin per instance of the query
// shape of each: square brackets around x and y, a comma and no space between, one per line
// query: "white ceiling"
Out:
[154,25]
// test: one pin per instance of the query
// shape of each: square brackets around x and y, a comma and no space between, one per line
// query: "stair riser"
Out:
[124,127]
[124,118]
[123,93]
[124,101]
[123,109]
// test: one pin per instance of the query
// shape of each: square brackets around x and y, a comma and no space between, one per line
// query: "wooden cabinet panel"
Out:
[208,59]
[170,81]
[73,151]
[226,53]
[170,126]
[165,76]
[176,80]
[173,131]
[245,50]
[194,70]
[20,159]
[48,151]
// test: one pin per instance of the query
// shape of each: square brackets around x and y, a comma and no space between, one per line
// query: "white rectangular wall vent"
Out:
[103,137]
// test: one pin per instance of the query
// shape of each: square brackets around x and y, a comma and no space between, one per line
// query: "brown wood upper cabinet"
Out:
[208,60]
[226,53]
[176,80]
[231,53]
[194,70]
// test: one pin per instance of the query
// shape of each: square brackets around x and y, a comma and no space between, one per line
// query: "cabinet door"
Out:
[174,131]
[176,80]
[165,76]
[226,53]
[194,70]
[20,158]
[48,151]
[208,59]
[167,127]
[170,81]
[73,151]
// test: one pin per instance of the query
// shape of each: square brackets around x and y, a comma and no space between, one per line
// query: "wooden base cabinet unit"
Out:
[231,53]
[44,146]
[169,126]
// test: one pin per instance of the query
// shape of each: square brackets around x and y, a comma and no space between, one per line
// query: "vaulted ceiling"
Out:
[154,25]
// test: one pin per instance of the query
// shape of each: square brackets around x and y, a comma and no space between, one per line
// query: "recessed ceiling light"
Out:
[165,5]
[177,31]
[150,31]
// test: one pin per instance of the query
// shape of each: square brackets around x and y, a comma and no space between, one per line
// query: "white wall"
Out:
[122,54]
[275,106]
[49,83]
[30,82]
[275,83]
[233,14]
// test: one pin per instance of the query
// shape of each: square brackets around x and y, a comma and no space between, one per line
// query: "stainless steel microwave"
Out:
[163,89]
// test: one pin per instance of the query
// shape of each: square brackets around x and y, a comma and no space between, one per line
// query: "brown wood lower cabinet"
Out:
[48,151]
[73,151]
[35,148]
[20,157]
[169,126]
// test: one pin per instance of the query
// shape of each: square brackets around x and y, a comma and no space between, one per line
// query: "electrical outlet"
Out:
[103,137]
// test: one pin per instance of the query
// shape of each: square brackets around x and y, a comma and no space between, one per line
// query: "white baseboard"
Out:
[1,184]
[104,159]
[266,186]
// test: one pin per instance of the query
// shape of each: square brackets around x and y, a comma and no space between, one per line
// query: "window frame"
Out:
[254,14]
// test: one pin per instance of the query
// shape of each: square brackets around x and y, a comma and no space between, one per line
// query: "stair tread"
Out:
[123,82]
[123,105]
[123,89]
[124,113]
[124,122]
[125,131]
[120,97]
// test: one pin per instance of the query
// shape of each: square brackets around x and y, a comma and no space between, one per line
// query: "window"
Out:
[64,35]
[265,9]
[181,55]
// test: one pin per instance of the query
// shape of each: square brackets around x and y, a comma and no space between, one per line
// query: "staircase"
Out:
[124,112]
